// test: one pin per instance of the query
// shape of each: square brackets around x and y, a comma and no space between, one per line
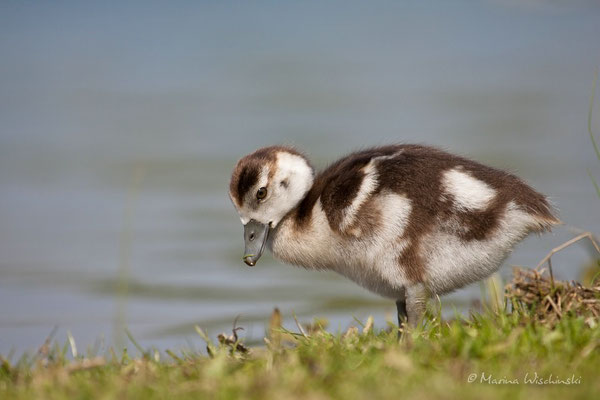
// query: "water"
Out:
[92,93]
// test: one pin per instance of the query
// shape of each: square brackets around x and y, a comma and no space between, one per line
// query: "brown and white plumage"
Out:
[404,221]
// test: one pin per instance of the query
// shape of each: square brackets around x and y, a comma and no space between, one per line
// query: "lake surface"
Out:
[120,125]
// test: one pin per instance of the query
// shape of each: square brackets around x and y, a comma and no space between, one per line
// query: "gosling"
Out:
[403,221]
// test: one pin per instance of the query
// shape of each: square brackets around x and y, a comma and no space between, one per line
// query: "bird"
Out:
[405,221]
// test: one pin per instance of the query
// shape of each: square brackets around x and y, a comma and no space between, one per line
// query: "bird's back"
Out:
[437,182]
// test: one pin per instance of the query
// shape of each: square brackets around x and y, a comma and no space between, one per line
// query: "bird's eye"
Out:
[262,193]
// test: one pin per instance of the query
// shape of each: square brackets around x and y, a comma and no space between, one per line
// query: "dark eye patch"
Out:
[248,178]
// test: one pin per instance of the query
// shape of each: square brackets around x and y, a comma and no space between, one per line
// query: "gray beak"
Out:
[255,237]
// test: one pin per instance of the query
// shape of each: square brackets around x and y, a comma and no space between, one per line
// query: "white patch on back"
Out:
[470,194]
[367,186]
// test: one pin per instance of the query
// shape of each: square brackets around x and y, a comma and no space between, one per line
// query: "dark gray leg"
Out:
[402,316]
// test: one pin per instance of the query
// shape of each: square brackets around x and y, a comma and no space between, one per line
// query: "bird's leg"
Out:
[416,302]
[402,315]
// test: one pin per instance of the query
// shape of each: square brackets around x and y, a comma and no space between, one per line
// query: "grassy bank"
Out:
[545,340]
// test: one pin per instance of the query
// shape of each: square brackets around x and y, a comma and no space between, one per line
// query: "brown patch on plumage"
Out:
[337,185]
[247,170]
[416,173]
[368,217]
[339,193]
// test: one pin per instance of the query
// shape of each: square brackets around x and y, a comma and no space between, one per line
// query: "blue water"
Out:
[91,93]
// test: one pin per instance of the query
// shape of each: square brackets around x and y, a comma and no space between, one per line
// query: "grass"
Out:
[505,351]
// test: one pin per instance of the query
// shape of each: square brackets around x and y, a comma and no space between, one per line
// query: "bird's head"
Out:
[264,187]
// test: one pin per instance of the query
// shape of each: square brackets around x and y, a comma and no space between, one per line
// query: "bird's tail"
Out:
[544,216]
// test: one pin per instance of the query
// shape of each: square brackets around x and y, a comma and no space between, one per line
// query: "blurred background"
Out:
[120,125]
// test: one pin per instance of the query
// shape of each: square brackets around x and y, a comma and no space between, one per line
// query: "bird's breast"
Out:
[367,252]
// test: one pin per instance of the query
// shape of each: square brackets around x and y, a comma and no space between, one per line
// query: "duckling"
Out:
[403,221]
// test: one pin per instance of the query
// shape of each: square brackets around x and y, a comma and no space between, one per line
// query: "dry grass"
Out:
[548,301]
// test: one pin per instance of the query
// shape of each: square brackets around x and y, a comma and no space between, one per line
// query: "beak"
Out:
[255,237]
